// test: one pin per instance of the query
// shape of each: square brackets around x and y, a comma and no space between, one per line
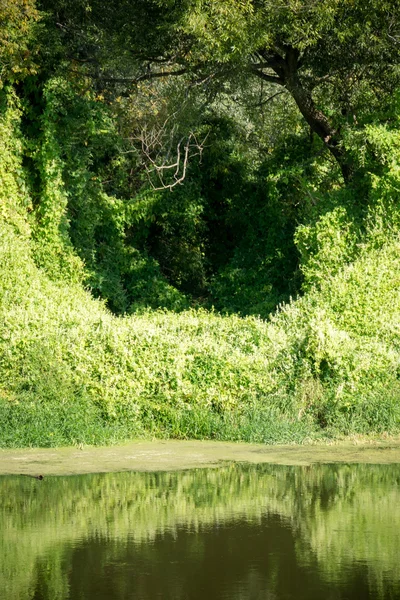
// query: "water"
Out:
[239,532]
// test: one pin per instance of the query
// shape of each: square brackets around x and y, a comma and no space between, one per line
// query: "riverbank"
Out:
[72,373]
[175,455]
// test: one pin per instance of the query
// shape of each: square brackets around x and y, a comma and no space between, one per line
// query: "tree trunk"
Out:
[318,122]
[286,69]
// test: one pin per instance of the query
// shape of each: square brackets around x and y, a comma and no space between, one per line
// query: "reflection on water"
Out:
[239,532]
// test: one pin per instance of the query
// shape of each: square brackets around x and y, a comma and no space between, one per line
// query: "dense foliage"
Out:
[199,220]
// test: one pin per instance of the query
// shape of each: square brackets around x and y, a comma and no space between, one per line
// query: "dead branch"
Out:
[186,147]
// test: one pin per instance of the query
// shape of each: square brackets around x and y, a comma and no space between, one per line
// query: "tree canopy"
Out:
[18,19]
[338,60]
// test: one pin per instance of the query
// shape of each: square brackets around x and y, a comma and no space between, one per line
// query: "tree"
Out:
[336,58]
[325,54]
[18,19]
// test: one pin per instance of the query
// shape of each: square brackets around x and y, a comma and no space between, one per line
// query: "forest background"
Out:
[199,220]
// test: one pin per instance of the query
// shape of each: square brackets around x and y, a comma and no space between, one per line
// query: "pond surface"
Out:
[265,532]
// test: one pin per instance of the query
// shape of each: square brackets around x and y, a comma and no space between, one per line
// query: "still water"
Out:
[238,532]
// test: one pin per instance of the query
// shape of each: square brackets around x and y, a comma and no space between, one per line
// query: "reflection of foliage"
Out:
[339,514]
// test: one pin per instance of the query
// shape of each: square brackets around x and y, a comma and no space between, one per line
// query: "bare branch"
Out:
[183,152]
[394,39]
[266,76]
[144,77]
[261,102]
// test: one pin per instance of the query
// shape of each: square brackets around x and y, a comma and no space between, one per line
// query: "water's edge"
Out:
[172,455]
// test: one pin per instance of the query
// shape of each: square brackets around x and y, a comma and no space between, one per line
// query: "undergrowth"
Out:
[326,364]
[73,373]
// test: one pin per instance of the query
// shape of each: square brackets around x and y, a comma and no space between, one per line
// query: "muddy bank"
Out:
[175,455]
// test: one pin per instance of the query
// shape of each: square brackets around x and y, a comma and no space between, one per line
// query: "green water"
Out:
[238,532]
